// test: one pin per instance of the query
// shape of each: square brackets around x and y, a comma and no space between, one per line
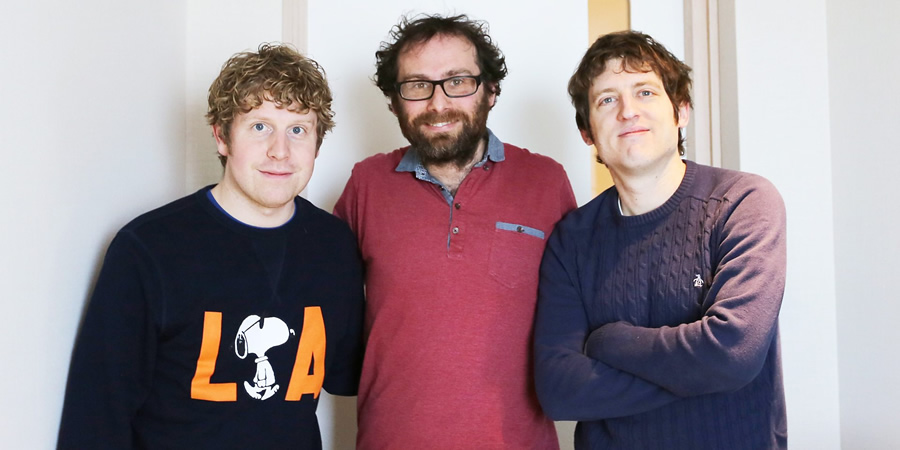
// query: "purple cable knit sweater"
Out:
[661,330]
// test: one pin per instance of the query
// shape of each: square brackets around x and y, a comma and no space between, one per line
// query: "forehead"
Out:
[617,75]
[271,109]
[438,57]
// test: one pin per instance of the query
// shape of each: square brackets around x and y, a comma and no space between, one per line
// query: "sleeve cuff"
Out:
[592,345]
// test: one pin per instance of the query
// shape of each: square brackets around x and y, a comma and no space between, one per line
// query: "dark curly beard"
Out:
[458,149]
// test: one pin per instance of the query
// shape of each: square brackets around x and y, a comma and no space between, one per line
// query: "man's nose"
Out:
[279,147]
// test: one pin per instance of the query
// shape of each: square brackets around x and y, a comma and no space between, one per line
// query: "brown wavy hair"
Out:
[277,73]
[639,53]
[421,29]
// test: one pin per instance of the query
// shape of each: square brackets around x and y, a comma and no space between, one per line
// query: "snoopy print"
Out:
[256,336]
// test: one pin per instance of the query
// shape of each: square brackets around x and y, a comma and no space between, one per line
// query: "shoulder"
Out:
[327,241]
[593,215]
[371,178]
[178,213]
[581,232]
[379,163]
[733,186]
[376,170]
[171,226]
[322,225]
[529,160]
[313,218]
[740,200]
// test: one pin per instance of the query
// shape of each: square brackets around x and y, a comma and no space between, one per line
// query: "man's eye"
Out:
[297,130]
[606,100]
[645,93]
[457,81]
[259,127]
[420,85]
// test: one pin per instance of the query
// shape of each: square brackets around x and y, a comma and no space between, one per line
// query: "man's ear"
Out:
[221,146]
[392,106]
[586,137]
[684,115]
[492,96]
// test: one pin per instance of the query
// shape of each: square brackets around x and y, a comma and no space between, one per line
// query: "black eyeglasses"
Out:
[458,86]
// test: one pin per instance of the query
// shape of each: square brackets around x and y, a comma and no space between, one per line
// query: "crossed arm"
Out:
[621,369]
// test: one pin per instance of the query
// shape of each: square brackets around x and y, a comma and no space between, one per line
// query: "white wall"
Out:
[783,104]
[91,131]
[862,45]
[215,30]
[661,19]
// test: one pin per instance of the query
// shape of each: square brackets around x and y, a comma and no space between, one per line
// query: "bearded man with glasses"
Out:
[451,229]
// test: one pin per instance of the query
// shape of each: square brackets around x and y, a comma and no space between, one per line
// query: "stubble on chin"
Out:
[446,148]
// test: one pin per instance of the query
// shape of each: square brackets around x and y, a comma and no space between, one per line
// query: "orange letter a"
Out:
[311,350]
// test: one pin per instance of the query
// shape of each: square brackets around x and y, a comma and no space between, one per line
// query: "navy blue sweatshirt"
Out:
[660,331]
[204,332]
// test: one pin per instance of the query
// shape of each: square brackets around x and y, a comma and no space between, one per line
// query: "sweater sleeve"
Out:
[346,362]
[352,346]
[345,208]
[112,363]
[570,385]
[726,348]
[566,196]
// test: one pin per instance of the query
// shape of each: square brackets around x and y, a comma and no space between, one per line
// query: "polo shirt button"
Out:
[457,206]
[455,230]
[520,229]
[486,167]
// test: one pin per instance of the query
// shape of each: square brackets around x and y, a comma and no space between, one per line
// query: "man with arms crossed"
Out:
[657,323]
[218,318]
[451,230]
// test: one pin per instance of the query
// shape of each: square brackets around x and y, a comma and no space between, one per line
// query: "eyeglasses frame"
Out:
[435,83]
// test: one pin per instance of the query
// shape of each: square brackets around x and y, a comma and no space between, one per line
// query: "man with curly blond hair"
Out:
[218,318]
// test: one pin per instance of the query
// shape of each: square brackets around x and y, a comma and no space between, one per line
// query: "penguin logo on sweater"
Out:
[257,335]
[698,282]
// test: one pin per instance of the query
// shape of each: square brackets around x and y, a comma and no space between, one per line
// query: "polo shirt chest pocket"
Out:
[516,252]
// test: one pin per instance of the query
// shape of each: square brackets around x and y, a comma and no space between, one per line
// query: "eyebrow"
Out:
[448,74]
[651,83]
[251,117]
[639,84]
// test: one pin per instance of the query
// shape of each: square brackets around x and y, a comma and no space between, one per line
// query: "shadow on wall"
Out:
[364,128]
[97,264]
[342,412]
[534,138]
[202,163]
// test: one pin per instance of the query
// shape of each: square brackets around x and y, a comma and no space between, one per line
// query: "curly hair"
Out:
[639,53]
[276,73]
[423,28]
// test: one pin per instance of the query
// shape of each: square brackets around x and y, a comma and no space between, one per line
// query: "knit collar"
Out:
[411,162]
[666,208]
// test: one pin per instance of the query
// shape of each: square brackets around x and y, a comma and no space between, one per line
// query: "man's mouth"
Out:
[440,121]
[275,173]
[633,131]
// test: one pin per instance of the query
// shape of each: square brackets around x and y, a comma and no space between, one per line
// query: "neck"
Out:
[452,175]
[642,194]
[246,212]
